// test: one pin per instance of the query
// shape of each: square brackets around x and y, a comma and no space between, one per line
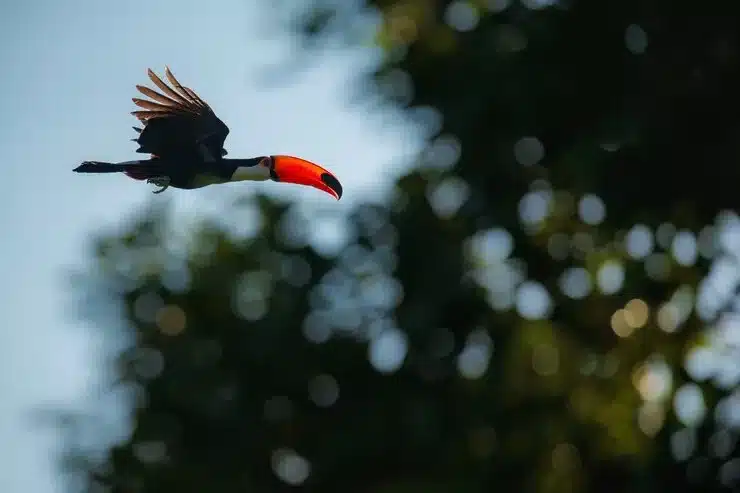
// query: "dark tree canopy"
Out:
[545,305]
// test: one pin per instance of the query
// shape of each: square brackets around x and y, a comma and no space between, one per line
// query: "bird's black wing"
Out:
[178,122]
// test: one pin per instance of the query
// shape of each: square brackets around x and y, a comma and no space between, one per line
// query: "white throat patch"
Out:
[251,173]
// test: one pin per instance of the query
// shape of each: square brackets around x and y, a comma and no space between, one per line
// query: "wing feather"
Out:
[193,99]
[149,105]
[146,115]
[156,96]
[184,121]
[164,87]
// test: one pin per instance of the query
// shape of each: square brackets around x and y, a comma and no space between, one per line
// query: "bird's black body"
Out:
[184,172]
[185,140]
[184,137]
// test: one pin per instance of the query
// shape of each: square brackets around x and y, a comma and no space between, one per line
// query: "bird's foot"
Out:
[161,181]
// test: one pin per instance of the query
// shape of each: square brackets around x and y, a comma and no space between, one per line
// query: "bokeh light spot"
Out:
[591,209]
[721,443]
[683,443]
[575,283]
[636,313]
[619,324]
[448,196]
[443,153]
[700,363]
[668,317]
[727,411]
[653,379]
[290,467]
[462,16]
[316,327]
[491,246]
[387,350]
[689,405]
[324,390]
[664,235]
[636,39]
[534,207]
[472,362]
[533,302]
[639,241]
[650,418]
[610,277]
[148,363]
[171,320]
[529,151]
[685,248]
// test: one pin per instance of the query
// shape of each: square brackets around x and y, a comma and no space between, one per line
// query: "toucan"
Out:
[185,140]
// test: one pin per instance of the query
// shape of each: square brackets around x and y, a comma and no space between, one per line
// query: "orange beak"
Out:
[289,169]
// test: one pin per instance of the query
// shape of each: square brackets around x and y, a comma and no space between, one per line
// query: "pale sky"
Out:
[69,70]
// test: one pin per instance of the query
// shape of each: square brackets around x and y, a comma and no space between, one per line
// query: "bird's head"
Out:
[289,169]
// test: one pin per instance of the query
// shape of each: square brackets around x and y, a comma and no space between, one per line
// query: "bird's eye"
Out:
[267,163]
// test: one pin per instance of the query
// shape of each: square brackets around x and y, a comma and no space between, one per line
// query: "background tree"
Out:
[545,304]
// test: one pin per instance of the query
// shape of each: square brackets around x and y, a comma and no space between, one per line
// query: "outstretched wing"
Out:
[177,122]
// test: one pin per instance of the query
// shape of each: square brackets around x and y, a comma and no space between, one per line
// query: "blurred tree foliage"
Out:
[534,310]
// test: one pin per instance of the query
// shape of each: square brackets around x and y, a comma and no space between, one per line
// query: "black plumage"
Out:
[182,134]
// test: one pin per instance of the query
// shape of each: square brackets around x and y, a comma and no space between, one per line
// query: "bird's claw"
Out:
[161,181]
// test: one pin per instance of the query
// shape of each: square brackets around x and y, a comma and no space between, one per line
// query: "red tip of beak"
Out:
[291,169]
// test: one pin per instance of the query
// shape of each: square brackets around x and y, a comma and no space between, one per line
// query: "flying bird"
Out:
[185,140]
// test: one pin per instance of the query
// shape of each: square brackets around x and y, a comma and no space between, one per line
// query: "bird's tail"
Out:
[139,170]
